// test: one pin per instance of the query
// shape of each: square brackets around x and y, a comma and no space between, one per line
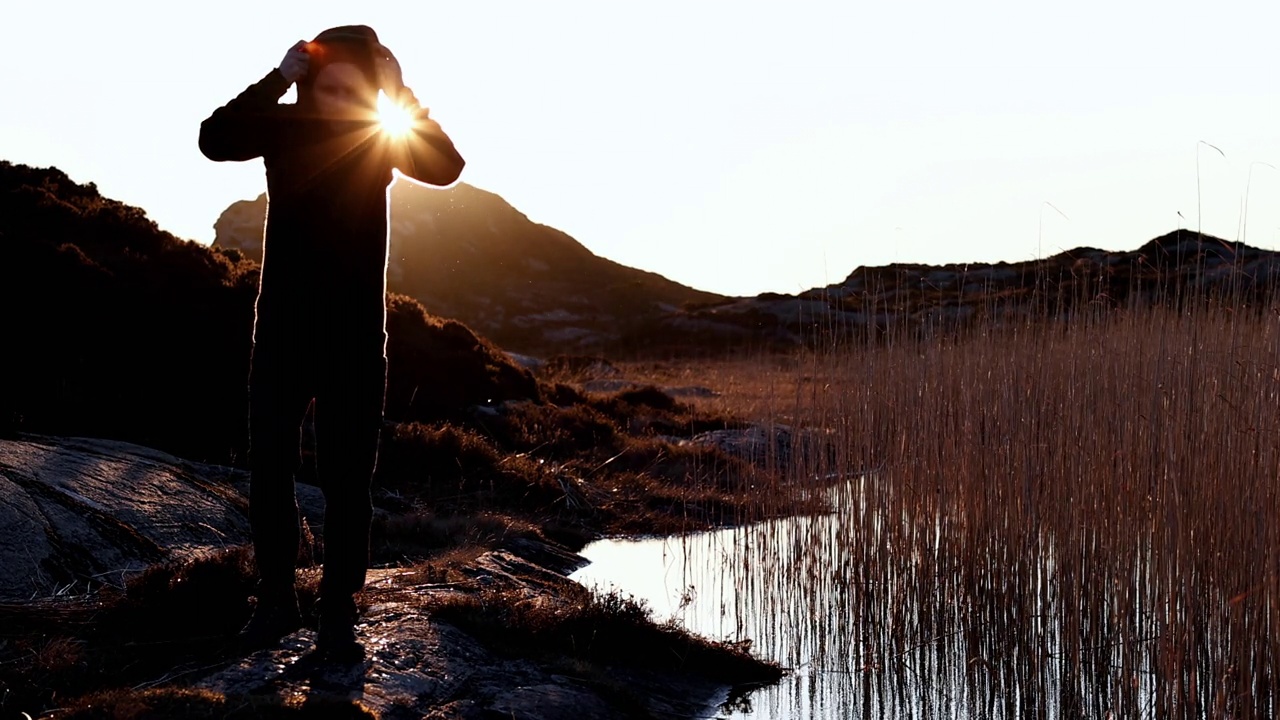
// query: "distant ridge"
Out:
[1177,267]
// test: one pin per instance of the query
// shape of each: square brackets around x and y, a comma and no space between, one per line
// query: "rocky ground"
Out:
[78,510]
[125,574]
[421,664]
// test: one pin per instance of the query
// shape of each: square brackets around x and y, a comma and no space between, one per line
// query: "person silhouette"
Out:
[319,320]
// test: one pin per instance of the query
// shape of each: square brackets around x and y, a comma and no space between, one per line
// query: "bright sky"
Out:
[738,147]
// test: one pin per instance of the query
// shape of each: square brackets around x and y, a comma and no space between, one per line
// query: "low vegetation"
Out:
[601,630]
[1067,518]
[205,705]
[127,332]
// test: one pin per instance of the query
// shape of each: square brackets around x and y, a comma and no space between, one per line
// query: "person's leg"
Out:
[348,418]
[278,399]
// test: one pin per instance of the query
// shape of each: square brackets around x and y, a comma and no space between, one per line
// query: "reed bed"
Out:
[1075,518]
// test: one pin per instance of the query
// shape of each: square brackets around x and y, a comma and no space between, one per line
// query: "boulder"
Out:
[776,447]
[78,513]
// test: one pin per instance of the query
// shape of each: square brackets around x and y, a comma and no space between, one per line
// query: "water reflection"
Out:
[884,614]
[718,584]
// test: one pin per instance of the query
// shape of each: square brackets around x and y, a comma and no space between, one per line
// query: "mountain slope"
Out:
[466,253]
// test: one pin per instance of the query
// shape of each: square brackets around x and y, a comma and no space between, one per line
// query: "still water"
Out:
[885,616]
[734,584]
[692,579]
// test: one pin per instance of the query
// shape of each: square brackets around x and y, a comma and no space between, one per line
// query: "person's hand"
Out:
[295,63]
[390,77]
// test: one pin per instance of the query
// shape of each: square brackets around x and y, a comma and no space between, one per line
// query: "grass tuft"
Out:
[603,629]
[167,703]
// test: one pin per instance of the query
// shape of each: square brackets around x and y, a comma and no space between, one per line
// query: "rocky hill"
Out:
[467,254]
[1179,268]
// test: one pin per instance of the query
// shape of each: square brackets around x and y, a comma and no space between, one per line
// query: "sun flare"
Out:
[395,120]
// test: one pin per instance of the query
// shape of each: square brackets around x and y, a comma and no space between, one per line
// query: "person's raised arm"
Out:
[243,128]
[426,153]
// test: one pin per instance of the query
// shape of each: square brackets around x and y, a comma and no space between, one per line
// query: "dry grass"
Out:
[1066,519]
[165,622]
[205,705]
[600,463]
[762,389]
[600,629]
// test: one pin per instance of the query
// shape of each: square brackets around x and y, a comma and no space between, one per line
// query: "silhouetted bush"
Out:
[115,328]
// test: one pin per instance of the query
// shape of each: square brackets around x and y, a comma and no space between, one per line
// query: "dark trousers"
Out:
[293,364]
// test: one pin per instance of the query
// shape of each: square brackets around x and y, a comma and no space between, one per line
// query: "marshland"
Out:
[1066,518]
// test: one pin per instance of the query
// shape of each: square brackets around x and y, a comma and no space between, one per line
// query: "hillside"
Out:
[1174,269]
[467,254]
[118,329]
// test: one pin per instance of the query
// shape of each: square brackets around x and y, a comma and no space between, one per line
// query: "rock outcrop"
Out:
[78,513]
[240,228]
[419,665]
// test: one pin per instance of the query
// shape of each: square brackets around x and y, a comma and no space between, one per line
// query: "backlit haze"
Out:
[737,147]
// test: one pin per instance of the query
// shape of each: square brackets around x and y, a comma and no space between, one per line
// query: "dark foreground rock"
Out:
[421,666]
[77,513]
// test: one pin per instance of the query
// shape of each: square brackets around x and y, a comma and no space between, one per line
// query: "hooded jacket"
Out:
[325,244]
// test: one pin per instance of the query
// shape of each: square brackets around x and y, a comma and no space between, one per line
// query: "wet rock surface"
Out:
[418,666]
[76,513]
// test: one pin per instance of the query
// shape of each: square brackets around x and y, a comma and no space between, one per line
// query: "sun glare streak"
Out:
[395,120]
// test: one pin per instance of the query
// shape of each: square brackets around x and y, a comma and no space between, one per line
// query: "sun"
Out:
[394,119]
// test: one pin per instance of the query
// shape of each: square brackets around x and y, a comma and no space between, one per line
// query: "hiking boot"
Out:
[336,638]
[337,643]
[275,616]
